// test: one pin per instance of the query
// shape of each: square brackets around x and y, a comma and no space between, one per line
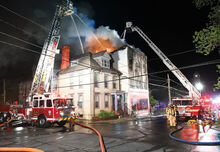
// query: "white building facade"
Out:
[93,84]
[132,63]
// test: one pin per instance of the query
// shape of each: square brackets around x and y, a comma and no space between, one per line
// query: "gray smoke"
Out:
[112,35]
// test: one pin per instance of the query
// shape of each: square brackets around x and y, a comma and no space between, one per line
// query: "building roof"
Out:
[129,46]
[86,61]
[99,54]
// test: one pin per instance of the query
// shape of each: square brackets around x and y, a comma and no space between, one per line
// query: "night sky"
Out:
[169,24]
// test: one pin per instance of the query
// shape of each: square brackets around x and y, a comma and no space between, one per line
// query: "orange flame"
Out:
[99,44]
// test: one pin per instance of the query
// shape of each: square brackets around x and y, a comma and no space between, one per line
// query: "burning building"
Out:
[93,83]
[114,81]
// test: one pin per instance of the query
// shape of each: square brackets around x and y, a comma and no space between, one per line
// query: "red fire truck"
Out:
[186,107]
[45,110]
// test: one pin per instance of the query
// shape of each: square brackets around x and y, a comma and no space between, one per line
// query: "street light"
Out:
[199,86]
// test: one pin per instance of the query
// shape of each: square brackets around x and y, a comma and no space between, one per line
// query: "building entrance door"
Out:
[113,103]
[118,102]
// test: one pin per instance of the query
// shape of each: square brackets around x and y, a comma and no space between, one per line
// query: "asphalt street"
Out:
[151,134]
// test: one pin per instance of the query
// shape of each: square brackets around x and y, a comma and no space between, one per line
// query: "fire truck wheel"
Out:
[42,122]
[61,123]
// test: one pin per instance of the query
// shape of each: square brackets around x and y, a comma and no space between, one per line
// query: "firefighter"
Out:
[172,115]
[167,112]
[176,115]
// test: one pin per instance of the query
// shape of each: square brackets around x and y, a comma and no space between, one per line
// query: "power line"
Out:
[21,40]
[166,79]
[24,17]
[179,53]
[157,85]
[20,47]
[26,32]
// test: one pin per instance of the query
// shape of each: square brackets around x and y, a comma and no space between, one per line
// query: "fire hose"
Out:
[6,122]
[191,142]
[101,141]
[20,149]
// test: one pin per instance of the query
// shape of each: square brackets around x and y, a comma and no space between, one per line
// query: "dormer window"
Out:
[105,63]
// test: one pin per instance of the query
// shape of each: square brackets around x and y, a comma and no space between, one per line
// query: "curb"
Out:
[119,120]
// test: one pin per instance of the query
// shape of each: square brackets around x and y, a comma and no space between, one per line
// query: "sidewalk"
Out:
[118,120]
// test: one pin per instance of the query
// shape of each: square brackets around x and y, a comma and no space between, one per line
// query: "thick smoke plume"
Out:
[93,39]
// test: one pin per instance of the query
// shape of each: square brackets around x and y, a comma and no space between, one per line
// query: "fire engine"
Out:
[43,105]
[188,106]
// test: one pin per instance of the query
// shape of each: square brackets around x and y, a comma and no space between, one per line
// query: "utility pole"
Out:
[168,79]
[4,91]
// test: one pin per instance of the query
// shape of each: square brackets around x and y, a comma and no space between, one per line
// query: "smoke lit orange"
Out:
[98,44]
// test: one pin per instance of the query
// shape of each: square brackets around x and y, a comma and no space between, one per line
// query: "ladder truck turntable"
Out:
[188,106]
[44,106]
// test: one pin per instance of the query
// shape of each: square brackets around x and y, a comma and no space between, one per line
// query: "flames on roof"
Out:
[98,44]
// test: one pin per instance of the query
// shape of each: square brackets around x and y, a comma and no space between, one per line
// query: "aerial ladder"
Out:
[193,92]
[44,71]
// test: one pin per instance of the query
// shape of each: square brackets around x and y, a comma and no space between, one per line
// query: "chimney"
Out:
[65,57]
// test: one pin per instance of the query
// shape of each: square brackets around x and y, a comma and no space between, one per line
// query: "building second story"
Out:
[133,65]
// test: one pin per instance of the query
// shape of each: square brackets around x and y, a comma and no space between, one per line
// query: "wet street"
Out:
[126,136]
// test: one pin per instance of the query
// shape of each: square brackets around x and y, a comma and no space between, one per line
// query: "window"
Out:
[41,103]
[49,103]
[80,101]
[130,63]
[96,100]
[105,63]
[142,104]
[96,77]
[139,104]
[106,100]
[106,81]
[35,104]
[114,82]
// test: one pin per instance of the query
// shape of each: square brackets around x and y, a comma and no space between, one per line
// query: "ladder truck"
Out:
[187,106]
[43,105]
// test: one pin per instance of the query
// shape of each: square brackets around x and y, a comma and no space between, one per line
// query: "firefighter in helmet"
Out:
[172,115]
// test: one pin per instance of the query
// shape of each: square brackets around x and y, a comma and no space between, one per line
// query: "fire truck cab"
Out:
[47,109]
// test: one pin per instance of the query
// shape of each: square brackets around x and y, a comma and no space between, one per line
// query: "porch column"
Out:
[116,102]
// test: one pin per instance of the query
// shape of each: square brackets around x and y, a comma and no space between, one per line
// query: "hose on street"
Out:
[191,142]
[6,122]
[101,141]
[19,149]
